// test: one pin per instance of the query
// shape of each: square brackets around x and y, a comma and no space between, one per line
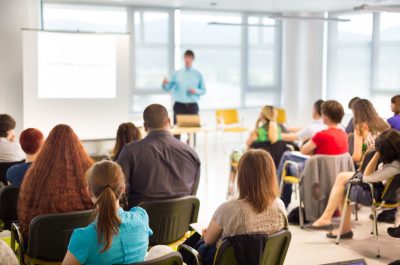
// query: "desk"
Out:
[191,131]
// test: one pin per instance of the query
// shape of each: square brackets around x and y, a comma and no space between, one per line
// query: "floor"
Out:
[307,247]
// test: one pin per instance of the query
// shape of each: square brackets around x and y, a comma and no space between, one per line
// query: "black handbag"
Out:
[360,192]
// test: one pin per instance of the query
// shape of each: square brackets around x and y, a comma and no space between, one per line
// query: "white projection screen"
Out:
[80,79]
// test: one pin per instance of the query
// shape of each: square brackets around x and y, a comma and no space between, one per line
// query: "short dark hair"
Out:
[396,101]
[31,140]
[155,116]
[388,145]
[7,123]
[318,106]
[189,53]
[333,110]
[352,102]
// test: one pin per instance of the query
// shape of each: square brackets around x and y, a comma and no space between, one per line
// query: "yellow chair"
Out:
[287,179]
[228,120]
[281,116]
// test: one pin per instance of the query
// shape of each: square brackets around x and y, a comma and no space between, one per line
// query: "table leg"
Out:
[206,157]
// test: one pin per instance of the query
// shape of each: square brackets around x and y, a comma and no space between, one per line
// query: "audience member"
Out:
[10,150]
[55,182]
[266,129]
[159,166]
[127,133]
[367,126]
[7,256]
[333,140]
[257,209]
[395,120]
[31,141]
[388,151]
[350,125]
[115,236]
[310,130]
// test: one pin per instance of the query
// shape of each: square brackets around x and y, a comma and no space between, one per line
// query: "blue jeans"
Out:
[291,170]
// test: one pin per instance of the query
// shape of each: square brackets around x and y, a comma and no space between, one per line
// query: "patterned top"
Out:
[129,246]
[7,256]
[237,217]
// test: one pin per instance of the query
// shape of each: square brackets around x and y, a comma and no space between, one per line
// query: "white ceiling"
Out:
[249,5]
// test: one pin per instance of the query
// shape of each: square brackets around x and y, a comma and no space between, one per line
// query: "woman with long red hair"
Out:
[55,183]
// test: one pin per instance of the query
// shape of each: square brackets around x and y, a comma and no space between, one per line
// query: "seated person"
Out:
[257,209]
[310,130]
[10,150]
[116,236]
[388,151]
[159,166]
[55,182]
[395,120]
[31,141]
[350,126]
[127,133]
[266,129]
[333,140]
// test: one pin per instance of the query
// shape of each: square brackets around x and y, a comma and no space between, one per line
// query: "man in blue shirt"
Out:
[186,85]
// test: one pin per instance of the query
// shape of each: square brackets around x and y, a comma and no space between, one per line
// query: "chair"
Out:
[274,253]
[170,218]
[281,118]
[389,195]
[8,206]
[4,166]
[228,122]
[317,180]
[291,179]
[49,236]
[173,258]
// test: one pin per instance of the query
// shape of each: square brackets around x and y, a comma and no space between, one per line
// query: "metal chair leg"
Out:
[301,216]
[375,229]
[356,211]
[345,206]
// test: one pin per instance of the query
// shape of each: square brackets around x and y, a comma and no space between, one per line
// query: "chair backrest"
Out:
[391,193]
[8,205]
[173,258]
[49,234]
[281,118]
[170,219]
[4,166]
[276,247]
[227,116]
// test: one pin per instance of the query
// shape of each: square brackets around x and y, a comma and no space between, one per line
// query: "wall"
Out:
[14,15]
[302,70]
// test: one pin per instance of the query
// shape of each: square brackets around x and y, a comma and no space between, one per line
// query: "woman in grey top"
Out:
[258,210]
[388,151]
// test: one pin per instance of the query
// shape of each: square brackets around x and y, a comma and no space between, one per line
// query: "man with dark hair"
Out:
[186,85]
[350,126]
[10,151]
[158,166]
[307,132]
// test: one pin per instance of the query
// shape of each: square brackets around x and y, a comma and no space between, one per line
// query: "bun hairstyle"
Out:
[106,183]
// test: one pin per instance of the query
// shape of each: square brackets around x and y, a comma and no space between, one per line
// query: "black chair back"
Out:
[170,218]
[8,205]
[391,193]
[4,166]
[49,234]
[173,258]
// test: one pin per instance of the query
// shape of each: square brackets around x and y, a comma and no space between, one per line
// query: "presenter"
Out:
[186,85]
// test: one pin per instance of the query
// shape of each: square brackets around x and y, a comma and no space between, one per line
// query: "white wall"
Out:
[14,15]
[302,71]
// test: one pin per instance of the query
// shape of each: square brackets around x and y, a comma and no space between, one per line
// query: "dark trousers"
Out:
[185,108]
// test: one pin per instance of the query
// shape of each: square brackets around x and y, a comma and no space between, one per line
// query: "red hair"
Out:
[31,140]
[55,183]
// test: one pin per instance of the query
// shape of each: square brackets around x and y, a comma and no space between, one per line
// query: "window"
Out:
[84,18]
[364,58]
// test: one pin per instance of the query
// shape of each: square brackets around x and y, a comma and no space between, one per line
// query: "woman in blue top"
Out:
[116,236]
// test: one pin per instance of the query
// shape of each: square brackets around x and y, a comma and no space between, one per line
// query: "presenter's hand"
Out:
[192,91]
[165,81]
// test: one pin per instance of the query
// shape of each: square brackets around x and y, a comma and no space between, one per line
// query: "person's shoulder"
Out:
[229,206]
[86,234]
[136,216]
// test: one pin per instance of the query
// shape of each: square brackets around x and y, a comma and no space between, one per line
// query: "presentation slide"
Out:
[76,65]
[79,79]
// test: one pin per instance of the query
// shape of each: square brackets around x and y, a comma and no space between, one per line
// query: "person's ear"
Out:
[146,129]
[169,122]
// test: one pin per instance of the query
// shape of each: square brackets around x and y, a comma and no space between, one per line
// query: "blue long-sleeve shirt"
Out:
[182,81]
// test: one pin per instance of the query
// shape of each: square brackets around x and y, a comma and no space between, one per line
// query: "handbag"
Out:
[360,192]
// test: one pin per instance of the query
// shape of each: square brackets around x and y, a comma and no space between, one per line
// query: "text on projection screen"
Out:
[76,65]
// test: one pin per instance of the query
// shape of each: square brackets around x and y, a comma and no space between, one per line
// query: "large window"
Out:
[364,58]
[238,54]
